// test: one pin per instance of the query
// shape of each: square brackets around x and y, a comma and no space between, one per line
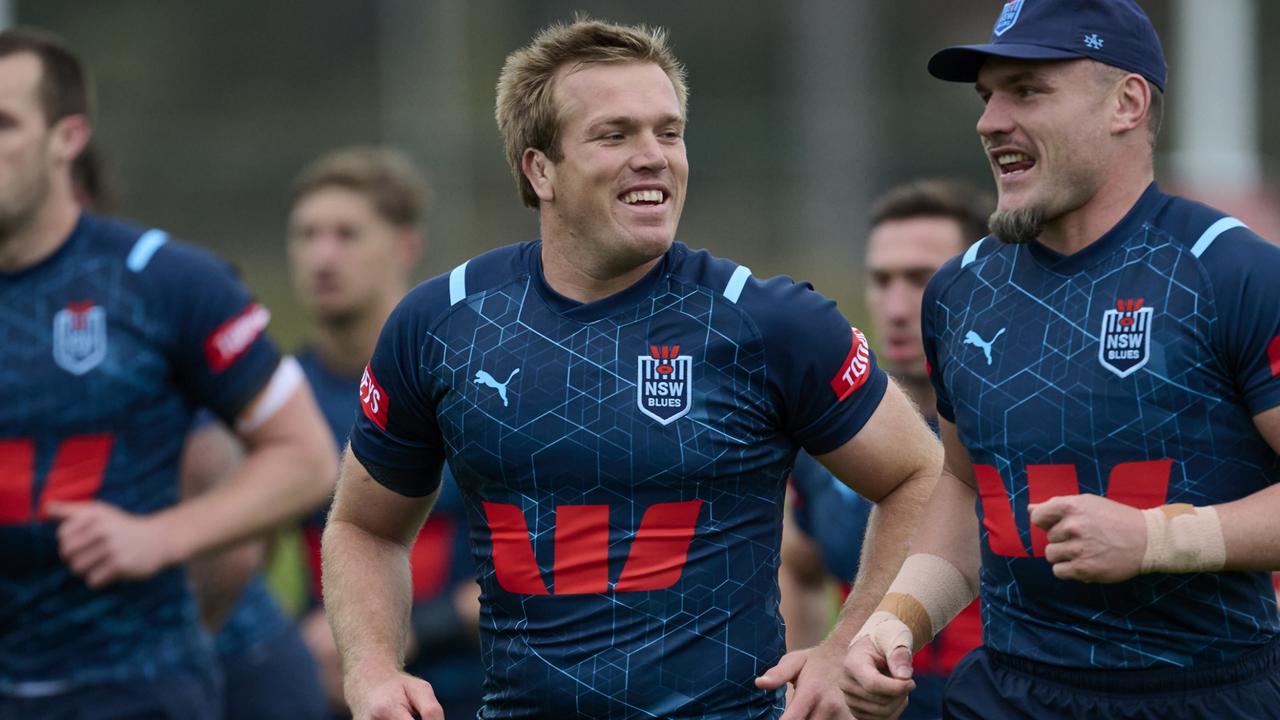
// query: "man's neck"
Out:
[579,277]
[1080,228]
[40,236]
[345,346]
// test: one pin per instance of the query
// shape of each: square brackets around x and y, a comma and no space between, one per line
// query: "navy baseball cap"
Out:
[1114,32]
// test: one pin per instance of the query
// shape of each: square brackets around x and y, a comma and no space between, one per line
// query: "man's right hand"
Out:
[392,696]
[876,687]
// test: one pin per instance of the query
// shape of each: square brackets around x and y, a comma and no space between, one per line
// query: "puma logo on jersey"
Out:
[974,339]
[484,378]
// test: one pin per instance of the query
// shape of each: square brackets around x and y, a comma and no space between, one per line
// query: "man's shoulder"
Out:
[968,263]
[764,299]
[1221,242]
[472,278]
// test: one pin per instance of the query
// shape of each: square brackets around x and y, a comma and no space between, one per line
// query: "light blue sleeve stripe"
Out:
[145,247]
[458,283]
[972,253]
[737,281]
[1216,229]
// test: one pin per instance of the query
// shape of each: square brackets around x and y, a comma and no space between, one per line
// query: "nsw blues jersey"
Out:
[623,464]
[105,349]
[1131,369]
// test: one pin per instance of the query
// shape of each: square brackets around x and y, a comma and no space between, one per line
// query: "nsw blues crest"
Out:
[79,337]
[663,383]
[1124,345]
[1008,17]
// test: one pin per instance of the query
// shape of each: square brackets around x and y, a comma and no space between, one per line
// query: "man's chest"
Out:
[541,401]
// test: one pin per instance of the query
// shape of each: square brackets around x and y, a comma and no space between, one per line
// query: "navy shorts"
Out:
[277,680]
[178,697]
[988,685]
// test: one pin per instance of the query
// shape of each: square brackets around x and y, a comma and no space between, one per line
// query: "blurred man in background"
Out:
[915,228]
[109,336]
[355,234]
[267,672]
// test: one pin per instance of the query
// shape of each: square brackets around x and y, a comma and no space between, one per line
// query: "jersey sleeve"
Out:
[930,325]
[218,344]
[1245,272]
[396,436]
[820,370]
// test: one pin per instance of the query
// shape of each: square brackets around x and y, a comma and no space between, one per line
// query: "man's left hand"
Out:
[1091,539]
[104,544]
[815,674]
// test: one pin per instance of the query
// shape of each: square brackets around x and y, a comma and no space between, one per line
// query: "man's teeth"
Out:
[1011,158]
[654,196]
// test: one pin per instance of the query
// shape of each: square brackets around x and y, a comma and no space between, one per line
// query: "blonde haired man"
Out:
[620,412]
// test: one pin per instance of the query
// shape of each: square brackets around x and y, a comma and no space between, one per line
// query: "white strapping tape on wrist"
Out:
[280,387]
[1182,538]
[926,594]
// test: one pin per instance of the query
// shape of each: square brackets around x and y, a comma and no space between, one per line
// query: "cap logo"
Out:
[1008,17]
[1093,41]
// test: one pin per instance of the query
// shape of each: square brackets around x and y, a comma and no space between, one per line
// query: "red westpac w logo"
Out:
[655,561]
[1273,354]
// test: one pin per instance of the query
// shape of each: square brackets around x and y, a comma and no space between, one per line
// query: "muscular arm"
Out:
[1249,525]
[949,527]
[893,461]
[367,590]
[288,470]
[210,454]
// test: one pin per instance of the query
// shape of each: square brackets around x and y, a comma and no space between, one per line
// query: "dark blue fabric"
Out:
[174,697]
[101,365]
[982,687]
[1113,32]
[277,680]
[1020,341]
[565,465]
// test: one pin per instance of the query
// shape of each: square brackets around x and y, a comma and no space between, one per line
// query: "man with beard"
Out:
[1108,377]
[619,411]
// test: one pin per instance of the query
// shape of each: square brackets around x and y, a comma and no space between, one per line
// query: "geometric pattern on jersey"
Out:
[627,567]
[1013,335]
[111,431]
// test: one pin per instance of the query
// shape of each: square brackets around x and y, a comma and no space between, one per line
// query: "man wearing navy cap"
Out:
[1107,368]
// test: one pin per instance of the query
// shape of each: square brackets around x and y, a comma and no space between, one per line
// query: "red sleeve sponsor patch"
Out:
[232,339]
[373,399]
[1273,354]
[855,369]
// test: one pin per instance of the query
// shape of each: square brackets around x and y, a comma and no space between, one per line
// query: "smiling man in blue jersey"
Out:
[1107,369]
[110,336]
[621,413]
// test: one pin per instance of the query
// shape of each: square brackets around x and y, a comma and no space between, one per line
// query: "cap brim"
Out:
[962,62]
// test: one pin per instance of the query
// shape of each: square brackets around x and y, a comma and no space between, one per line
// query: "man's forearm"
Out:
[367,595]
[889,531]
[273,484]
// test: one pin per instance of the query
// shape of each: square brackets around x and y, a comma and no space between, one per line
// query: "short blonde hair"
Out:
[386,176]
[526,112]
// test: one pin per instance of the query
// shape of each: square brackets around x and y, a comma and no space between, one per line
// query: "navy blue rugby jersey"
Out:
[1131,369]
[623,464]
[106,348]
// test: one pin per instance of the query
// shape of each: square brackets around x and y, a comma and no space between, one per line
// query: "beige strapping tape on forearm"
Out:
[927,593]
[1182,538]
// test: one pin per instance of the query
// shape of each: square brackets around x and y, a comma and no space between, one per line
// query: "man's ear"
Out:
[540,172]
[70,135]
[1132,103]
